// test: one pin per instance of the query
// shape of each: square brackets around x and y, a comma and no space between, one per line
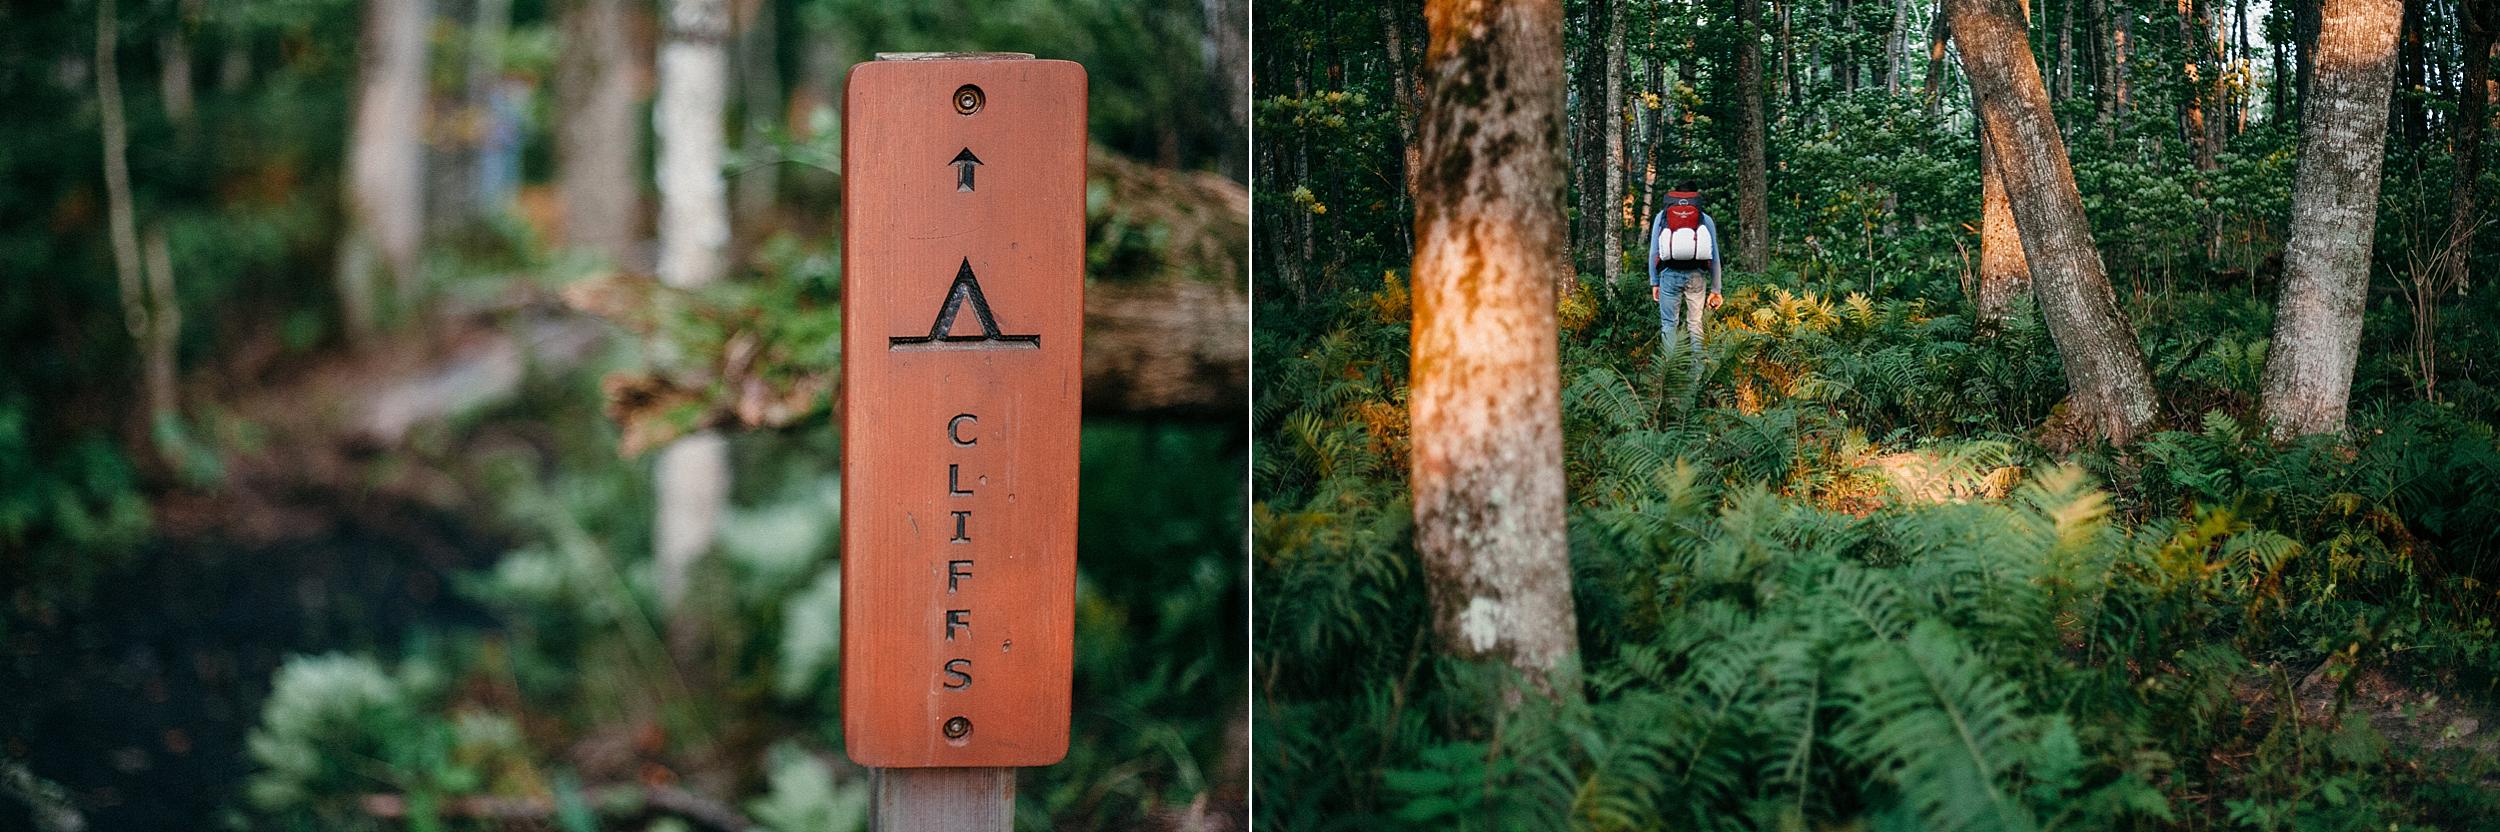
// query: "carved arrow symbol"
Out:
[964,162]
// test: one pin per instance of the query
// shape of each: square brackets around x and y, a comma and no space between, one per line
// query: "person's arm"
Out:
[1653,248]
[1718,251]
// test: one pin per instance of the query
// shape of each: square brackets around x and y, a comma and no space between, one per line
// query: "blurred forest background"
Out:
[415,413]
[1894,559]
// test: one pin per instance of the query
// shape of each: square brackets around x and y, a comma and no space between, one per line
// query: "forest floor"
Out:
[324,534]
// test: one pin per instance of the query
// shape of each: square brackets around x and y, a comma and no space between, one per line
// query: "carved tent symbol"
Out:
[966,288]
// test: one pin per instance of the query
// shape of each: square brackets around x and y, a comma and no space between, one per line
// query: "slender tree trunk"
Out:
[2106,378]
[1488,477]
[1788,64]
[2122,103]
[1753,179]
[1844,63]
[758,187]
[2113,58]
[1612,233]
[1588,140]
[2476,21]
[2004,276]
[1402,88]
[174,78]
[2065,49]
[1896,46]
[2242,102]
[599,88]
[2317,327]
[2304,54]
[386,164]
[1936,35]
[149,310]
[164,330]
[693,94]
[2410,116]
[1228,41]
[692,473]
[2192,100]
[2279,89]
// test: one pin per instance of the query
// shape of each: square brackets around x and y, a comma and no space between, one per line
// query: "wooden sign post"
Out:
[963,250]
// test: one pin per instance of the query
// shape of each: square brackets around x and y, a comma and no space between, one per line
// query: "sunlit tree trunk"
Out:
[693,473]
[2109,387]
[386,164]
[599,89]
[2196,37]
[1934,82]
[2326,263]
[1487,429]
[2004,276]
[1753,179]
[1612,234]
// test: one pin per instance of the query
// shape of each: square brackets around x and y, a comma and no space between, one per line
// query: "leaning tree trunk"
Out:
[1753,178]
[2326,263]
[386,163]
[598,139]
[2004,276]
[1611,234]
[692,473]
[1487,429]
[2110,390]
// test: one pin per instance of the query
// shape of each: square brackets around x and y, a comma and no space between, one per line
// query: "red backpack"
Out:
[1684,209]
[1684,243]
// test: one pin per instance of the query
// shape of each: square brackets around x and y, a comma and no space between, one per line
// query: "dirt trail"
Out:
[136,700]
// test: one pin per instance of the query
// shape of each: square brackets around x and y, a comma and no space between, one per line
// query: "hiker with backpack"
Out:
[1683,241]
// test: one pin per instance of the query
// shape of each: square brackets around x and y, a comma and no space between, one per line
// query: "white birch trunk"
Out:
[687,121]
[692,473]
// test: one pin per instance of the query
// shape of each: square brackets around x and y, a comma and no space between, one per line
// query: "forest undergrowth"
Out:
[1855,575]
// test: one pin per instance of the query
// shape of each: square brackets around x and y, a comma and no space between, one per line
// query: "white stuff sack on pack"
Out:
[1685,244]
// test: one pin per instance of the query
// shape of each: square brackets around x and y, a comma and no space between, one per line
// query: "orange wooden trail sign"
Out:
[963,251]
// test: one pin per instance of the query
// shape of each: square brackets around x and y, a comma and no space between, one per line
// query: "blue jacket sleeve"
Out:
[1652,262]
[1718,250]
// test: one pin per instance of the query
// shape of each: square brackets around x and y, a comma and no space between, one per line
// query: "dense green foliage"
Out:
[1858,574]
